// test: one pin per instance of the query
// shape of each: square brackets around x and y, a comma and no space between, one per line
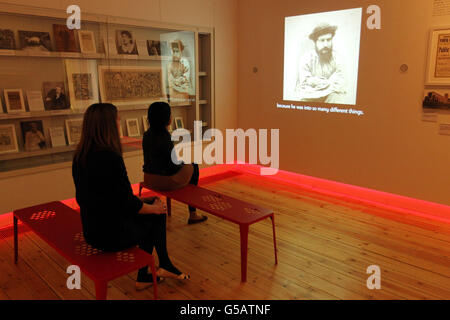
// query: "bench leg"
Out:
[272,217]
[100,290]
[16,240]
[140,189]
[169,206]
[155,281]
[243,228]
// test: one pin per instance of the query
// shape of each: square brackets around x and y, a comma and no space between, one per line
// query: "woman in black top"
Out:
[113,218]
[160,171]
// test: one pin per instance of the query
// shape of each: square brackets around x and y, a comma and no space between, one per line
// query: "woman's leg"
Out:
[154,236]
[193,216]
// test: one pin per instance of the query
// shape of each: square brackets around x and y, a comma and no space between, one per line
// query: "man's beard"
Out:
[325,54]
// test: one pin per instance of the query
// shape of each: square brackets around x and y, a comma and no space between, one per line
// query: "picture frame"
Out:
[147,84]
[33,135]
[55,95]
[14,100]
[438,62]
[179,123]
[125,43]
[87,41]
[57,137]
[8,139]
[64,38]
[82,80]
[74,128]
[35,41]
[133,128]
[7,39]
[35,101]
[145,123]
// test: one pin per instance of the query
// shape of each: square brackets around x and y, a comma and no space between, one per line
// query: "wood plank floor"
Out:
[325,246]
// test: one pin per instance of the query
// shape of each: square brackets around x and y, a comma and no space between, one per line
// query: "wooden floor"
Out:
[325,246]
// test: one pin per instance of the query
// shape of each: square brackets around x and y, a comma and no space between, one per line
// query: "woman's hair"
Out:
[99,131]
[158,115]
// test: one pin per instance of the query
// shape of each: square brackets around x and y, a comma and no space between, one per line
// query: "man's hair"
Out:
[321,29]
[127,33]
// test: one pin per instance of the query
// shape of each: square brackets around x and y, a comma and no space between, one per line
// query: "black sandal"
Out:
[193,221]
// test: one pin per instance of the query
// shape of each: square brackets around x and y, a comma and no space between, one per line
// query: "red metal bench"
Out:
[60,226]
[242,213]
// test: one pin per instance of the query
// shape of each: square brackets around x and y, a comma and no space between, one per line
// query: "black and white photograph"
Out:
[179,69]
[7,41]
[436,99]
[35,41]
[55,97]
[125,42]
[154,48]
[321,57]
[133,128]
[8,139]
[33,135]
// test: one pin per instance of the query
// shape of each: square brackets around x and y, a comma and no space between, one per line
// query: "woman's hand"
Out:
[158,207]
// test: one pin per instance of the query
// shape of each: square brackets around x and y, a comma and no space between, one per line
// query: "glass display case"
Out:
[50,74]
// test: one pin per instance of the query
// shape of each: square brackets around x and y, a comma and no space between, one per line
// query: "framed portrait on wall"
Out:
[55,97]
[74,128]
[125,42]
[14,100]
[179,123]
[8,139]
[438,64]
[83,83]
[33,135]
[125,85]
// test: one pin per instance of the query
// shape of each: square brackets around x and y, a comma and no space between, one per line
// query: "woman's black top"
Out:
[108,206]
[157,146]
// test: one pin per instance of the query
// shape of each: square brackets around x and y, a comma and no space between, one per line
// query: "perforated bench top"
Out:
[60,226]
[223,206]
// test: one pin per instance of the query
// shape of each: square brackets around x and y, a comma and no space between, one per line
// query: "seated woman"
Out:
[113,218]
[160,172]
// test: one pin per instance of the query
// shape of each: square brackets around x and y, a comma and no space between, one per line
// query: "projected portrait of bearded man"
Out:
[320,73]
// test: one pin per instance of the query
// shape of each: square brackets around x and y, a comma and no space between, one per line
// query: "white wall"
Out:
[46,186]
[390,148]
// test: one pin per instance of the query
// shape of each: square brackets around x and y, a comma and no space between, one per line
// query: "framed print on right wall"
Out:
[438,64]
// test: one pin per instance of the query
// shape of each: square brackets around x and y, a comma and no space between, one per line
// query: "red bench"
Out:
[60,226]
[242,213]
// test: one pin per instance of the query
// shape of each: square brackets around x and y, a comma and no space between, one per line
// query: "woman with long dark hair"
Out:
[160,172]
[113,218]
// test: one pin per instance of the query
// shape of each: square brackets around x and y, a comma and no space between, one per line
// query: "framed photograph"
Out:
[154,48]
[133,128]
[145,123]
[8,139]
[55,96]
[82,79]
[7,40]
[179,123]
[125,85]
[64,38]
[438,64]
[57,137]
[35,41]
[33,135]
[14,100]
[35,102]
[436,99]
[87,41]
[125,42]
[74,128]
